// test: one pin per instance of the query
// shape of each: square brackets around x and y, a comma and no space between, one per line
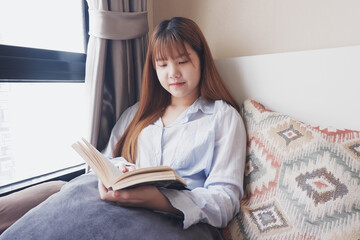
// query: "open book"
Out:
[113,177]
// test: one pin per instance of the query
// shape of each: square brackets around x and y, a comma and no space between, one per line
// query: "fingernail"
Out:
[116,194]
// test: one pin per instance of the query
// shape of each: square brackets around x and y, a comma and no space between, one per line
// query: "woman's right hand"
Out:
[126,168]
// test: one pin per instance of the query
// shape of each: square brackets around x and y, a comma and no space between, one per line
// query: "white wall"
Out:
[252,27]
[319,87]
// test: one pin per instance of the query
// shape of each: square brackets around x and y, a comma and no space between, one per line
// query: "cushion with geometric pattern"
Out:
[301,181]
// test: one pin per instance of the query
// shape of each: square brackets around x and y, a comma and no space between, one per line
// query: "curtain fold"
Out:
[115,58]
[115,25]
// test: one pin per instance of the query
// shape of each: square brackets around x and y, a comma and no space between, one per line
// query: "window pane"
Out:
[46,24]
[38,124]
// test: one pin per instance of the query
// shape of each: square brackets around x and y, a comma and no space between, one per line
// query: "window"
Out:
[43,24]
[42,89]
[42,40]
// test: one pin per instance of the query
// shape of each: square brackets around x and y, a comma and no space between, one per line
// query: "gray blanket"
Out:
[77,212]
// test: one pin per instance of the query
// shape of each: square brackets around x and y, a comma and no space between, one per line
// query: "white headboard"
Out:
[319,87]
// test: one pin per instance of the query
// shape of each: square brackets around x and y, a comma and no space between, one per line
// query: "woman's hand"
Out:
[137,197]
[144,196]
[126,168]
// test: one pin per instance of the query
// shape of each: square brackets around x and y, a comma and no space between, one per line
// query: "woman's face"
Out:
[180,75]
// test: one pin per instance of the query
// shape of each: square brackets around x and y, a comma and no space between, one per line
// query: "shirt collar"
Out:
[200,104]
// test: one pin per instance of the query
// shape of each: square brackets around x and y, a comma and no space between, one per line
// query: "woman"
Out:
[188,120]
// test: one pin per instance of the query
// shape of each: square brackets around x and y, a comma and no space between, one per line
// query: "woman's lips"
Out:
[177,84]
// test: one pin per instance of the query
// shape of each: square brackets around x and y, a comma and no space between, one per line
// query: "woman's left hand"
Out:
[144,196]
[137,197]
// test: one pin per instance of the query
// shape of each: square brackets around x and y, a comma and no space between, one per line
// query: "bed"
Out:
[302,180]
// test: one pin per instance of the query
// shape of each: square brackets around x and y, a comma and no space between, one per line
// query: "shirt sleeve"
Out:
[217,202]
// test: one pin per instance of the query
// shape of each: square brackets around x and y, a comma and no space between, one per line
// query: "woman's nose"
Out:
[174,71]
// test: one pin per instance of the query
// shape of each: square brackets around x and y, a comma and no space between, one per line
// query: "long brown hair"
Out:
[154,98]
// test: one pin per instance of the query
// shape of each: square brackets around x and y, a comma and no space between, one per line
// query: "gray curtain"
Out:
[116,53]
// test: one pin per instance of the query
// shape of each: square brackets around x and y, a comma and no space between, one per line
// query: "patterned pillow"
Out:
[301,181]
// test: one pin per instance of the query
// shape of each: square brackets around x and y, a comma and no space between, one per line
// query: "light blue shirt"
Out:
[206,146]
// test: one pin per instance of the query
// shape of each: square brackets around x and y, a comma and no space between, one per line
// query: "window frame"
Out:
[61,175]
[21,64]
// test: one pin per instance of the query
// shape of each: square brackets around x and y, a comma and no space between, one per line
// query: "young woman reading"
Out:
[185,119]
[188,120]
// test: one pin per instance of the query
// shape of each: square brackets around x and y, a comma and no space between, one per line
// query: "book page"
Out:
[144,170]
[112,171]
[96,167]
[104,169]
[162,178]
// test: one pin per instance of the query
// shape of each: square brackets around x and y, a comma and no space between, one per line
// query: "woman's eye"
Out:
[183,62]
